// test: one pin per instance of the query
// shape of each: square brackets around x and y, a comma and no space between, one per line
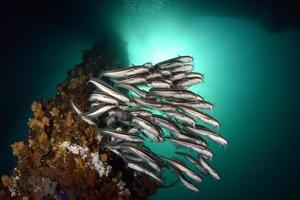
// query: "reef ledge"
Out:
[62,158]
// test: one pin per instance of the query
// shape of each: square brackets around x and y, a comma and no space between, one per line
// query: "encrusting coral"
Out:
[62,158]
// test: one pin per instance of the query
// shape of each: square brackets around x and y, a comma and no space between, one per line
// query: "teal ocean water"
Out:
[251,75]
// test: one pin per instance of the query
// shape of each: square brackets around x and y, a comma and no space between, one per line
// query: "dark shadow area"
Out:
[29,29]
[274,15]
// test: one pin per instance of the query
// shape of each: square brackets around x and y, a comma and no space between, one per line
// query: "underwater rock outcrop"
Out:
[62,158]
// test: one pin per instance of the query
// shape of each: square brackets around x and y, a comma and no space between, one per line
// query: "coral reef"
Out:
[63,158]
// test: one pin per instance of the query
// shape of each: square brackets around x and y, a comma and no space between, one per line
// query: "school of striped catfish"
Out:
[153,102]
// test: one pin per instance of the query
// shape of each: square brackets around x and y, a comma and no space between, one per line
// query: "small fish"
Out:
[110,119]
[116,140]
[168,81]
[132,88]
[143,170]
[165,72]
[119,73]
[173,62]
[174,129]
[154,75]
[177,76]
[175,59]
[151,135]
[191,145]
[119,129]
[174,93]
[142,113]
[142,153]
[121,135]
[195,104]
[79,112]
[193,161]
[144,123]
[131,157]
[198,140]
[124,107]
[99,110]
[183,68]
[158,84]
[115,151]
[187,82]
[182,168]
[133,130]
[103,98]
[148,65]
[209,168]
[194,75]
[94,104]
[203,105]
[186,183]
[202,131]
[124,122]
[168,124]
[132,80]
[154,104]
[170,65]
[200,115]
[181,117]
[109,90]
[185,59]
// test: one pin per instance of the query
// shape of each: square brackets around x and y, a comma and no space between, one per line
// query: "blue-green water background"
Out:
[251,75]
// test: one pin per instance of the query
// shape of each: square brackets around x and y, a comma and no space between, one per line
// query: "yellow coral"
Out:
[73,84]
[55,111]
[45,121]
[37,109]
[35,124]
[79,165]
[5,180]
[34,106]
[57,127]
[103,157]
[31,142]
[14,181]
[125,193]
[17,148]
[43,138]
[69,119]
[83,79]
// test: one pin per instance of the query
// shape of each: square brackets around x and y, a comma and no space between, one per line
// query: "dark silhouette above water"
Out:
[274,15]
